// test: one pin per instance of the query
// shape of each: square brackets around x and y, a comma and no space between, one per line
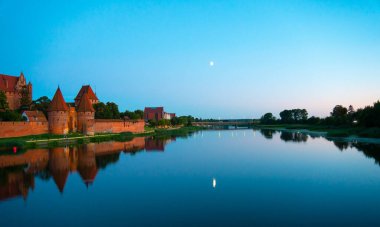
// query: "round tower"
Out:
[58,115]
[85,116]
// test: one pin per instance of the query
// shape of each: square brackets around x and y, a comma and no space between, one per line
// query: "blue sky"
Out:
[268,55]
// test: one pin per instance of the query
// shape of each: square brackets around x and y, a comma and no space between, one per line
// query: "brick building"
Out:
[64,118]
[14,88]
[157,113]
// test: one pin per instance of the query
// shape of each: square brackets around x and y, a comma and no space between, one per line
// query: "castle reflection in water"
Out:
[18,171]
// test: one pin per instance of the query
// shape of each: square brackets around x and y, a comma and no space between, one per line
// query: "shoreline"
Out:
[342,135]
[48,140]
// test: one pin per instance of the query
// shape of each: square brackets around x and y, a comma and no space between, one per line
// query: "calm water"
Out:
[222,178]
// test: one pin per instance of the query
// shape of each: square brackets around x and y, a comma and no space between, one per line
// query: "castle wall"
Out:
[17,129]
[117,126]
[58,122]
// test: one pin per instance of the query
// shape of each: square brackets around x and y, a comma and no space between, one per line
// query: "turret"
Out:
[86,89]
[58,114]
[85,116]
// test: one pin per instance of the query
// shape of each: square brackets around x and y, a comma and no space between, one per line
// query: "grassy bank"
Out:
[49,140]
[331,131]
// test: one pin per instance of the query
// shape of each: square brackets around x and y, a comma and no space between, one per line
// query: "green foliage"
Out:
[339,111]
[3,101]
[369,116]
[106,111]
[163,122]
[41,104]
[135,115]
[183,120]
[294,116]
[9,115]
[268,118]
[313,120]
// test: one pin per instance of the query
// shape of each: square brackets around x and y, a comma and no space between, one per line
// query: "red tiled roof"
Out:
[35,115]
[85,104]
[86,89]
[154,109]
[58,103]
[12,81]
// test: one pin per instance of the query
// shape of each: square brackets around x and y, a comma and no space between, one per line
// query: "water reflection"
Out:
[294,137]
[18,172]
[287,136]
[370,150]
[268,133]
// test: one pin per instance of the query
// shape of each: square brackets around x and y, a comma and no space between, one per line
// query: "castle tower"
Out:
[85,116]
[86,89]
[58,115]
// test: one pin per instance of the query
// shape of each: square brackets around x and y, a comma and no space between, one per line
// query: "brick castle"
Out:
[14,87]
[63,117]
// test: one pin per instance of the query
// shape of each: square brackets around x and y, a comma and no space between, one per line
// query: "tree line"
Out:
[368,116]
[182,120]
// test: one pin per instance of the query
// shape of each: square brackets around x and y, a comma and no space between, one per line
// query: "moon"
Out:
[211,63]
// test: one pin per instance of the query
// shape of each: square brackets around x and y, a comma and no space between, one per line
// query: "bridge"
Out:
[234,123]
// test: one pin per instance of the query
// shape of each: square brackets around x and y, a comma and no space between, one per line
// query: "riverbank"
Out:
[329,131]
[49,140]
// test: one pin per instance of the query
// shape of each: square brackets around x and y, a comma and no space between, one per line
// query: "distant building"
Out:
[169,116]
[34,116]
[153,113]
[13,87]
[156,113]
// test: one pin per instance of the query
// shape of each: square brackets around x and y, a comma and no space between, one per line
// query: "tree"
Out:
[106,111]
[369,116]
[294,116]
[41,104]
[268,118]
[299,115]
[339,111]
[286,116]
[3,101]
[313,120]
[351,110]
[339,115]
[11,116]
[183,120]
[135,115]
[114,110]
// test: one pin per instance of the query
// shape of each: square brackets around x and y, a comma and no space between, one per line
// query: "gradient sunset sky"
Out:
[268,55]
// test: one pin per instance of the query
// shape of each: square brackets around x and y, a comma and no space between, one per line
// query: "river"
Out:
[218,177]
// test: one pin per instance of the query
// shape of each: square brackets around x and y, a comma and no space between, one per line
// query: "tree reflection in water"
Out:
[294,137]
[370,150]
[268,133]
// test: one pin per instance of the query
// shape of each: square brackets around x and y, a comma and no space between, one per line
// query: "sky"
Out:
[267,55]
